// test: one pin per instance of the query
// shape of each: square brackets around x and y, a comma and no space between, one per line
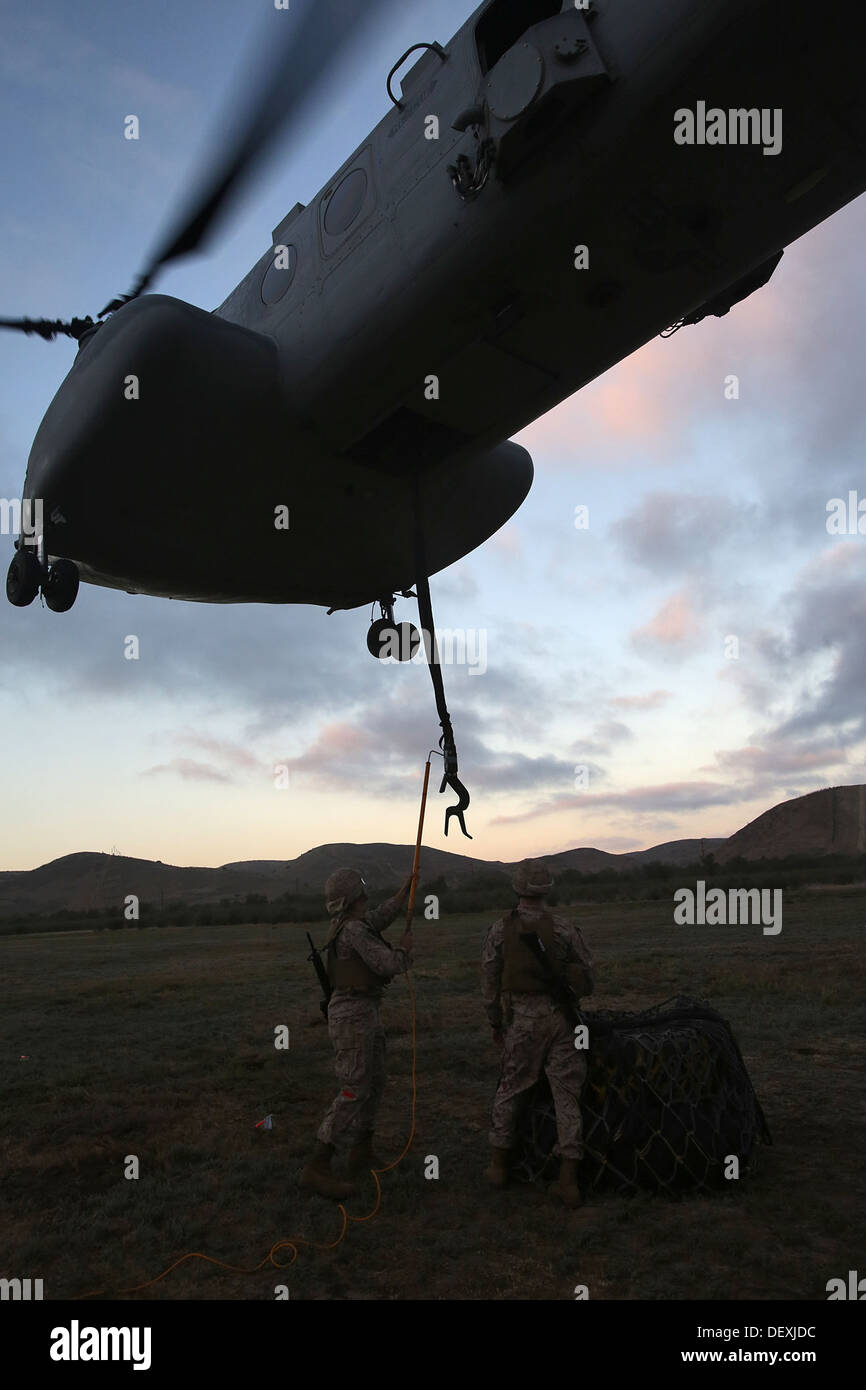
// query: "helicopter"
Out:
[555,186]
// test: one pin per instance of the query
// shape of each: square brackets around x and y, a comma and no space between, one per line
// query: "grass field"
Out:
[160,1044]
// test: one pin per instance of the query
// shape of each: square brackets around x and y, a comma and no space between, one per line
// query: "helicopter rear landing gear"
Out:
[60,587]
[388,638]
[24,578]
[27,575]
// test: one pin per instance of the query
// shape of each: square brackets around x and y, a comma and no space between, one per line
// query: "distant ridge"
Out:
[830,821]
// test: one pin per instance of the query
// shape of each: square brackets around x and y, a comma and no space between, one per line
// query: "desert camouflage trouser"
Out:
[539,1039]
[355,1028]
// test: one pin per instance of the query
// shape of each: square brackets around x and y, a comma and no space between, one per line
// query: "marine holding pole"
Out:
[360,964]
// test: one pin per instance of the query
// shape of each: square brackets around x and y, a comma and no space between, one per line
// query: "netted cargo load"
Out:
[667,1101]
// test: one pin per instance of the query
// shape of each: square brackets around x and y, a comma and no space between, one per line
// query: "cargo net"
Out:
[667,1100]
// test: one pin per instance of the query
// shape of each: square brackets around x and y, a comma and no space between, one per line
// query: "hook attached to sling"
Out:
[450,778]
[425,612]
[457,786]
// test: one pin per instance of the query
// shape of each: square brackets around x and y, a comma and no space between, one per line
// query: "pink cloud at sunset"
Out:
[673,625]
[653,398]
[335,745]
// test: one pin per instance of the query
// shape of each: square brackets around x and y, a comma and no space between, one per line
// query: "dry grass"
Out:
[160,1044]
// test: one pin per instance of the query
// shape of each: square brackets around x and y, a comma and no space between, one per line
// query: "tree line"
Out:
[485,892]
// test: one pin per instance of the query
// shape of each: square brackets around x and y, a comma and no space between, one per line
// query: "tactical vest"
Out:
[522,973]
[350,974]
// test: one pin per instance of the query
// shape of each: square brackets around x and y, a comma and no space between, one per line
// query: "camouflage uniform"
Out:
[537,1035]
[355,1024]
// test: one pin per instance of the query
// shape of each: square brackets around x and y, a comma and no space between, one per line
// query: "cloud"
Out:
[189,770]
[509,543]
[235,754]
[603,736]
[671,532]
[34,49]
[268,666]
[518,772]
[811,662]
[631,413]
[664,797]
[652,700]
[674,625]
[769,763]
[795,436]
[140,88]
[338,755]
[382,753]
[650,408]
[458,584]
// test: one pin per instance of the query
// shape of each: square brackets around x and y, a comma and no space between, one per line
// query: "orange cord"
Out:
[298,1240]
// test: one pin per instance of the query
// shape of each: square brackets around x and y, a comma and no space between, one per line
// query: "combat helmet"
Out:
[342,889]
[532,879]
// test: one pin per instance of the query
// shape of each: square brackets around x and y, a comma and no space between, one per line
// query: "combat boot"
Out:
[565,1187]
[361,1157]
[317,1176]
[497,1171]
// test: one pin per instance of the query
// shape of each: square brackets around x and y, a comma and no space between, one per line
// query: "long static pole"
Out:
[411,908]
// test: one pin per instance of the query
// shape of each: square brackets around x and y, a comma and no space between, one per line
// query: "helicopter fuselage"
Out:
[551,192]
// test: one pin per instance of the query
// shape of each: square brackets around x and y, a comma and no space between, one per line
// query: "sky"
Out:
[691,657]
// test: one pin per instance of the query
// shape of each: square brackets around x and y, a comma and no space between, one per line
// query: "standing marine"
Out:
[530,1024]
[360,965]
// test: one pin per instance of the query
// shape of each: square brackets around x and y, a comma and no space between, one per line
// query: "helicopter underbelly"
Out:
[170,463]
[339,536]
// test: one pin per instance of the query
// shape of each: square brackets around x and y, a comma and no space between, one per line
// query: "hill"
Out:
[830,821]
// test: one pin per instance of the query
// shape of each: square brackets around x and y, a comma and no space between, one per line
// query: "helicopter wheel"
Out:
[60,589]
[389,639]
[24,578]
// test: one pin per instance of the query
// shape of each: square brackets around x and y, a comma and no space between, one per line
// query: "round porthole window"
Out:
[346,202]
[282,264]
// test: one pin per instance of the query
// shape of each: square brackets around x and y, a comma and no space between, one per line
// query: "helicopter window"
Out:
[346,202]
[282,264]
[504,22]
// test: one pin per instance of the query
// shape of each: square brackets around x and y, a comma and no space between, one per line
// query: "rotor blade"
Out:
[48,328]
[316,32]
